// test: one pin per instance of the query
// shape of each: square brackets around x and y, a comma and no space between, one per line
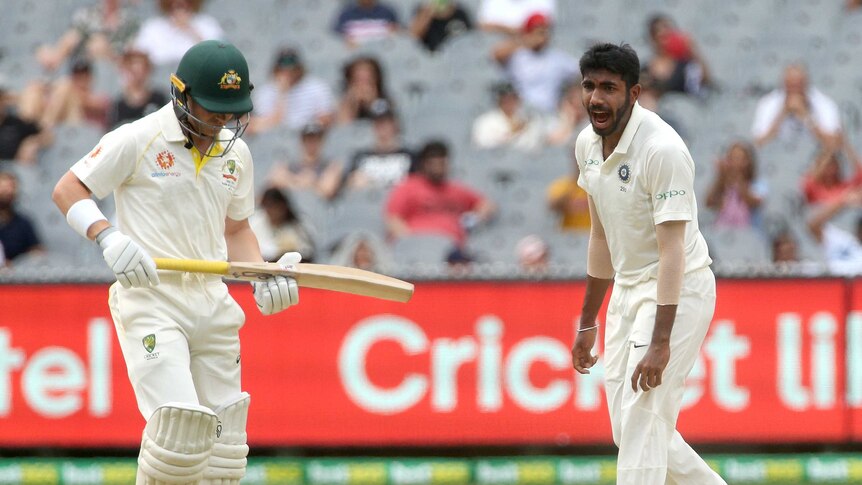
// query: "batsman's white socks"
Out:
[176,445]
[228,461]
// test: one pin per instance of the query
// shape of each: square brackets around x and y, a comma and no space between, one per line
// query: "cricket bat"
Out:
[307,275]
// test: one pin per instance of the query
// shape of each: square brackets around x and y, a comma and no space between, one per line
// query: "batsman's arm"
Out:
[242,244]
[69,192]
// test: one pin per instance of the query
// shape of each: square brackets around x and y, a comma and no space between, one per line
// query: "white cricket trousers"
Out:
[180,340]
[651,450]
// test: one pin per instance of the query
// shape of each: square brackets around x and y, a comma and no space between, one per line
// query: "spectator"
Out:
[72,100]
[138,98]
[784,248]
[436,20]
[180,26]
[509,124]
[427,202]
[97,32]
[569,201]
[571,116]
[537,70]
[362,21]
[841,249]
[363,85]
[824,180]
[312,171]
[17,234]
[292,98]
[794,111]
[736,194]
[20,140]
[387,162]
[533,254]
[676,65]
[508,16]
[278,228]
[363,250]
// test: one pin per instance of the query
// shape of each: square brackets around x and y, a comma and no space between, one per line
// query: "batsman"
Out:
[182,181]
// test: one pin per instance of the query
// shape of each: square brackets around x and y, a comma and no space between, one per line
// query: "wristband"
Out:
[588,328]
[84,214]
[104,233]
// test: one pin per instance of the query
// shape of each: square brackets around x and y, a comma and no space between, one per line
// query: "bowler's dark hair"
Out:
[618,59]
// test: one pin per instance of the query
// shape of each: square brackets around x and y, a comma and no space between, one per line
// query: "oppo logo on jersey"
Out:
[669,194]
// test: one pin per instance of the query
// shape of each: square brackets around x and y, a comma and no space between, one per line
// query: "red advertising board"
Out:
[461,364]
[854,361]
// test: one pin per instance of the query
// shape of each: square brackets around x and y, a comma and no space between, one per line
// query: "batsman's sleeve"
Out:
[242,204]
[110,163]
[670,180]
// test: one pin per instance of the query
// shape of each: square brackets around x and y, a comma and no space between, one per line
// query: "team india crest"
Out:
[149,343]
[230,80]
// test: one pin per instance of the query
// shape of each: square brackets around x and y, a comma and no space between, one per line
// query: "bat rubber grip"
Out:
[193,265]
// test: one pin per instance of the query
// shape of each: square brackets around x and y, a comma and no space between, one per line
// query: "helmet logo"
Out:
[230,80]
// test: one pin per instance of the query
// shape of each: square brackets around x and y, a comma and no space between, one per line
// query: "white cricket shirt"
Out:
[647,180]
[164,202]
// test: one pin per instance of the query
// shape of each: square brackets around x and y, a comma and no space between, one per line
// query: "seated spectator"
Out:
[841,249]
[278,228]
[72,100]
[427,202]
[784,248]
[362,21]
[569,201]
[533,254]
[138,98]
[676,65]
[795,110]
[20,140]
[437,20]
[180,26]
[736,194]
[97,32]
[824,180]
[571,116]
[508,16]
[363,250]
[312,170]
[363,85]
[509,124]
[291,98]
[387,162]
[537,70]
[17,233]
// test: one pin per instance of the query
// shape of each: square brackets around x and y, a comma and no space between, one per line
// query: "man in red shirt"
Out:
[427,202]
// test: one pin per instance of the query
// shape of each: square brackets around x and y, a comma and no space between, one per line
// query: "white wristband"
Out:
[84,214]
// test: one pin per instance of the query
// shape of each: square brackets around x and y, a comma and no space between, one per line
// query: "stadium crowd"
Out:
[466,159]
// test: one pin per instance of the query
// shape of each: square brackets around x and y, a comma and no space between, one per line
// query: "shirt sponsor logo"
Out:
[670,194]
[96,151]
[591,161]
[165,161]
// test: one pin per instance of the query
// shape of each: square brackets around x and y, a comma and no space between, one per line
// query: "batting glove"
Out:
[132,266]
[278,292]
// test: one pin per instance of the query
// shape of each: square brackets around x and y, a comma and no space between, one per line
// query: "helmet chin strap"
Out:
[187,123]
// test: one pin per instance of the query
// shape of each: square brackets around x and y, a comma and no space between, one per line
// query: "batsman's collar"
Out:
[631,128]
[169,124]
